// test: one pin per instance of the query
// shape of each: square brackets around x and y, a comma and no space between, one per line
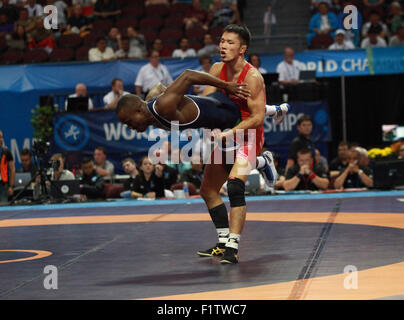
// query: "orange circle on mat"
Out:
[39,254]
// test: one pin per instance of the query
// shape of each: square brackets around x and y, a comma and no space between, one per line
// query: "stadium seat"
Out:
[3,45]
[153,23]
[62,54]
[195,44]
[91,39]
[126,22]
[170,46]
[149,35]
[179,9]
[195,33]
[321,42]
[103,25]
[174,21]
[82,53]
[132,12]
[12,57]
[216,33]
[70,41]
[159,10]
[36,55]
[173,35]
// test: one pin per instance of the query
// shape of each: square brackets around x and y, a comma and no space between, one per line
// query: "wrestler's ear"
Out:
[243,49]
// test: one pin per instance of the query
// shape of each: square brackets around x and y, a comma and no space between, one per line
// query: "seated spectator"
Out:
[27,165]
[6,27]
[395,17]
[153,2]
[321,159]
[41,37]
[59,171]
[364,159]
[195,174]
[340,162]
[111,98]
[322,23]
[195,16]
[335,6]
[101,52]
[305,175]
[255,60]
[373,40]
[376,23]
[169,175]
[233,4]
[289,68]
[220,15]
[103,166]
[205,62]
[106,9]
[370,6]
[302,141]
[354,175]
[129,166]
[149,183]
[78,23]
[124,50]
[137,43]
[10,10]
[315,3]
[18,39]
[114,38]
[150,74]
[86,5]
[25,21]
[400,152]
[351,34]
[92,184]
[61,7]
[209,47]
[340,42]
[398,39]
[184,51]
[81,91]
[34,8]
[158,46]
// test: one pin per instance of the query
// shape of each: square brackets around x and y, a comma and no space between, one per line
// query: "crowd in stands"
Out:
[103,30]
[380,23]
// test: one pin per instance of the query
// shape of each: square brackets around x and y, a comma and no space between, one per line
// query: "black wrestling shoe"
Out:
[217,251]
[230,256]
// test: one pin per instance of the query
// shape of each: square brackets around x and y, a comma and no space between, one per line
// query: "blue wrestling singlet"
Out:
[215,111]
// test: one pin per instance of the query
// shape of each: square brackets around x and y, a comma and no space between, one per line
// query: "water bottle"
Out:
[186,190]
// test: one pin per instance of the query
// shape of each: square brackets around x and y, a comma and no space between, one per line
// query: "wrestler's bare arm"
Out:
[214,71]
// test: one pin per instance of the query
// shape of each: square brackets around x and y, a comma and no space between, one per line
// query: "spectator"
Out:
[114,39]
[195,16]
[59,171]
[354,175]
[25,21]
[255,60]
[351,34]
[372,6]
[340,42]
[269,21]
[129,166]
[184,51]
[281,172]
[302,141]
[106,9]
[209,47]
[195,174]
[305,174]
[124,50]
[151,74]
[400,153]
[339,163]
[335,6]
[395,17]
[77,22]
[205,62]
[375,23]
[149,183]
[40,37]
[9,10]
[289,68]
[220,15]
[373,40]
[314,4]
[136,43]
[18,39]
[159,47]
[101,52]
[398,39]
[27,165]
[233,4]
[321,159]
[103,166]
[322,23]
[61,7]
[7,171]
[34,9]
[92,185]
[364,159]
[6,27]
[111,98]
[153,2]
[169,175]
[81,91]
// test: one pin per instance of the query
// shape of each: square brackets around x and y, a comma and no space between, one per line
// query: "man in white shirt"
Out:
[289,69]
[340,42]
[34,9]
[151,74]
[101,52]
[184,51]
[373,40]
[111,98]
[81,91]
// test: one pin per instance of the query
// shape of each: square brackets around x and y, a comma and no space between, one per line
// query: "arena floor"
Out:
[295,247]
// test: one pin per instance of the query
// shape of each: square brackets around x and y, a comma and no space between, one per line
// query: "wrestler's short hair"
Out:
[242,31]
[128,101]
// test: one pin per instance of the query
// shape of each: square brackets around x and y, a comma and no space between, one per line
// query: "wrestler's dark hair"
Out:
[128,101]
[242,31]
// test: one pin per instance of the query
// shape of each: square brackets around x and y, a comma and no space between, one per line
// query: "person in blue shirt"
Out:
[322,23]
[353,34]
